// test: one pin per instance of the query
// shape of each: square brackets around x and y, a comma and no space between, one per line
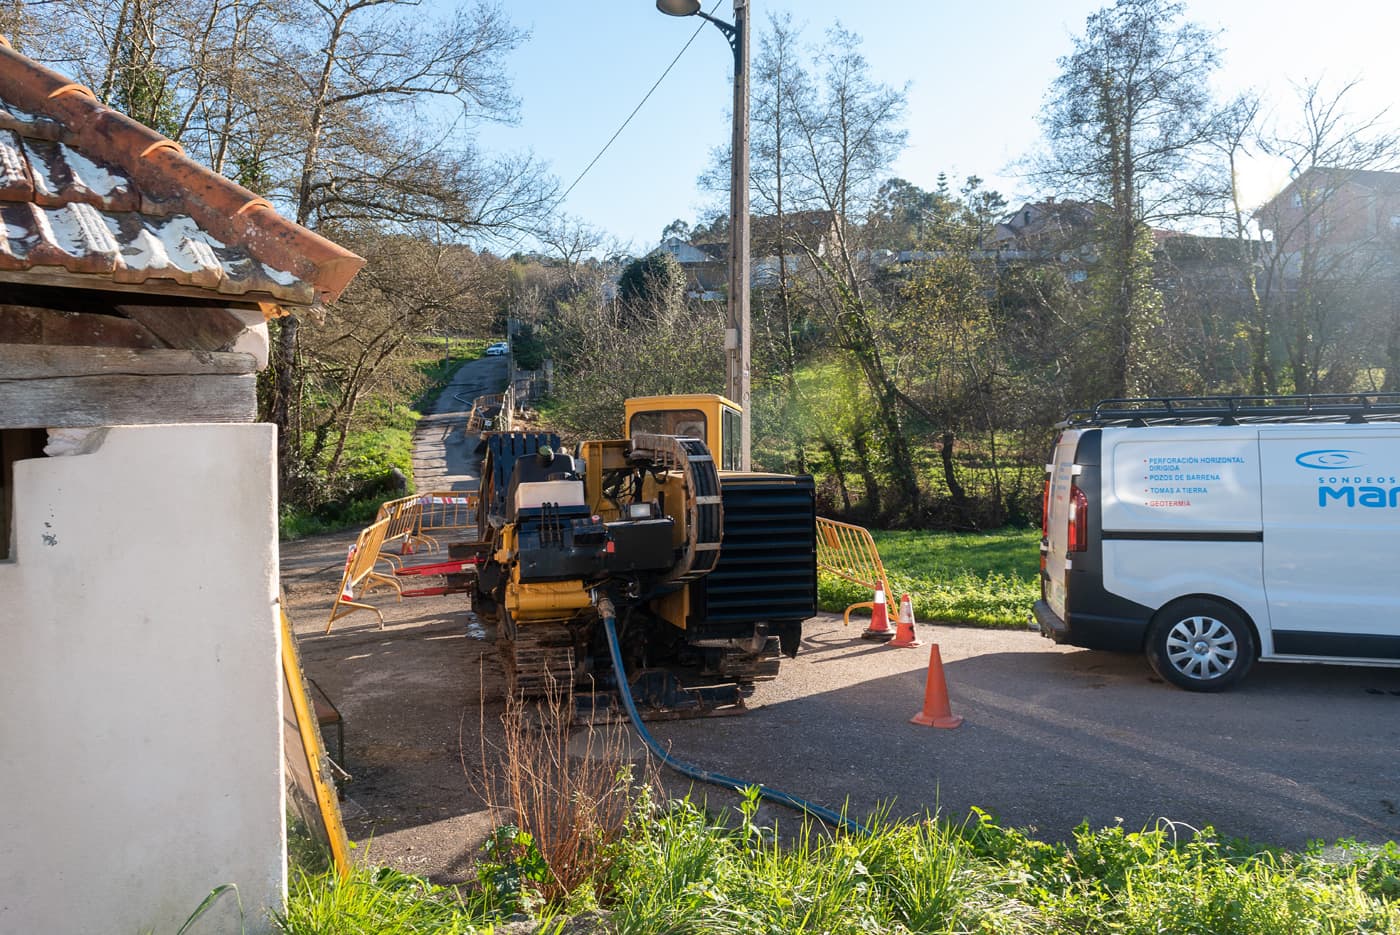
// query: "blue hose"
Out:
[705,775]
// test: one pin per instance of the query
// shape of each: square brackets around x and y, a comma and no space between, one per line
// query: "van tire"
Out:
[1201,645]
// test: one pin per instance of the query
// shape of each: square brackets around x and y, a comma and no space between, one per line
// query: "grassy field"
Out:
[988,579]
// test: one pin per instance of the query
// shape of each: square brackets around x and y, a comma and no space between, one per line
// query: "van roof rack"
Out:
[1355,408]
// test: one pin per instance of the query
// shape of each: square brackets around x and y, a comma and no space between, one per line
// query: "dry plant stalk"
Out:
[574,802]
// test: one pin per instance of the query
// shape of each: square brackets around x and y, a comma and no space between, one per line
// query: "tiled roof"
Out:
[88,190]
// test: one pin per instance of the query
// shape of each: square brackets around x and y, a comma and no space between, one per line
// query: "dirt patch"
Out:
[411,696]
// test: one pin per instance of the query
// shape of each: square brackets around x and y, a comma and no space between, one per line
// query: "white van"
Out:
[1209,532]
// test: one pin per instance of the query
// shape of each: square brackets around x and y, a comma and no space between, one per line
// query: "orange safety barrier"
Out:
[360,573]
[849,552]
[446,511]
[404,516]
[476,419]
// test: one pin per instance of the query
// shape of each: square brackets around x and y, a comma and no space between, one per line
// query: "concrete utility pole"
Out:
[738,342]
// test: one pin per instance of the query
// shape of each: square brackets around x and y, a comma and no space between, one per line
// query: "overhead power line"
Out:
[612,139]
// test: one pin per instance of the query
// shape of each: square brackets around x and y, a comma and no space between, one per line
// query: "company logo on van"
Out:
[1329,459]
[1346,489]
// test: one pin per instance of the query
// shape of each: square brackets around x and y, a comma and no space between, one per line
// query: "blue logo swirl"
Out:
[1328,459]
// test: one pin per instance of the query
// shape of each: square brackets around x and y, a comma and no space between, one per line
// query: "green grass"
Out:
[988,579]
[681,870]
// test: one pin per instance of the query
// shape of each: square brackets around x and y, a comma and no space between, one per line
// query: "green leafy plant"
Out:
[512,871]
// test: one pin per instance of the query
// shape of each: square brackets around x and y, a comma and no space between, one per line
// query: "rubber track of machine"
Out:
[539,662]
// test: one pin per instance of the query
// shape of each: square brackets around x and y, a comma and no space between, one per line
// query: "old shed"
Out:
[140,747]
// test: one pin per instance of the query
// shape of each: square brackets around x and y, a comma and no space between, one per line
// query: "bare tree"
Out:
[1318,266]
[368,75]
[1126,119]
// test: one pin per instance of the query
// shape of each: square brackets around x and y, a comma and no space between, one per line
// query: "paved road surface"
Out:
[1056,735]
[444,455]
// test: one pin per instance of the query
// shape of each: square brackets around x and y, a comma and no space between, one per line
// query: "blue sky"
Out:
[977,75]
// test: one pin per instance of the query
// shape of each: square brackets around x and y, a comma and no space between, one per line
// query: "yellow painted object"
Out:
[849,552]
[544,600]
[600,456]
[360,573]
[326,802]
[709,417]
[476,419]
[404,516]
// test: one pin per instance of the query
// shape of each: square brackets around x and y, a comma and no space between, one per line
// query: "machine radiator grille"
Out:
[767,568]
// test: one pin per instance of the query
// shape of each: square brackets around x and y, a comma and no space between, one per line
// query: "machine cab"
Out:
[706,416]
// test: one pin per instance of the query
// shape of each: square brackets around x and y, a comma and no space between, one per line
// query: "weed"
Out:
[569,802]
[376,901]
[677,869]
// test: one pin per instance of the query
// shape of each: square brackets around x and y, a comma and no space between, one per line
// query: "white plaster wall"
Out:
[140,727]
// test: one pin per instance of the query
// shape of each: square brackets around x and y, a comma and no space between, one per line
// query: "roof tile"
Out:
[87,189]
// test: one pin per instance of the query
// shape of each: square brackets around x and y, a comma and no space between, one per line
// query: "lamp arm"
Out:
[731,32]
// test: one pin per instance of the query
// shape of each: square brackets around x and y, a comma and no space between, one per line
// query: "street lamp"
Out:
[737,332]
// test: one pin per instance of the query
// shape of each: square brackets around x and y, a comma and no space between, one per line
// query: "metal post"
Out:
[737,334]
[738,342]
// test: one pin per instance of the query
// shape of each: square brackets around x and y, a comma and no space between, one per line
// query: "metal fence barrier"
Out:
[360,573]
[849,552]
[446,511]
[404,517]
[482,406]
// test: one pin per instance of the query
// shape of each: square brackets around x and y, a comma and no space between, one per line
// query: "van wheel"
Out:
[1200,645]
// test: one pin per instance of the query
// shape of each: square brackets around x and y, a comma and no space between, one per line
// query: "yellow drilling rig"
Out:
[711,570]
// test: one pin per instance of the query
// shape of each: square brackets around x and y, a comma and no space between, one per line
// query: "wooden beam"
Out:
[200,329]
[122,399]
[40,361]
[26,324]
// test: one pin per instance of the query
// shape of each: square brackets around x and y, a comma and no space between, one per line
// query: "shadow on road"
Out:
[1055,738]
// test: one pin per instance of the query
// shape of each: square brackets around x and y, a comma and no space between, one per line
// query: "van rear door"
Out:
[1056,544]
[1331,526]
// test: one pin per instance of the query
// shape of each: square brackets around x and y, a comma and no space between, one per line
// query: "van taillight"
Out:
[1045,510]
[1078,519]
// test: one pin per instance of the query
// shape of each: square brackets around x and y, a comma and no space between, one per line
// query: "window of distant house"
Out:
[15,445]
[1297,199]
[1395,222]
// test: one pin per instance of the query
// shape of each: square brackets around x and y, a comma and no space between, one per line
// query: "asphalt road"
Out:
[1055,735]
[444,455]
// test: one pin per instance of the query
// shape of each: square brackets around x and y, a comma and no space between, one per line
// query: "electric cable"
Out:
[612,139]
[694,772]
[646,97]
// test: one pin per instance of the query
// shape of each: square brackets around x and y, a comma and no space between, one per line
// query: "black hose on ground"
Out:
[609,615]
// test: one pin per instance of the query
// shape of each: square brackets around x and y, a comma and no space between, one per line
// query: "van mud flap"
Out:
[1049,623]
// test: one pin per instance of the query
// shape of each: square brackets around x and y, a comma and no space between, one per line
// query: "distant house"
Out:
[800,236]
[1334,210]
[1045,228]
[705,265]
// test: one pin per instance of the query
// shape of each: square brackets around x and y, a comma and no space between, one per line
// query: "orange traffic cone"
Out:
[904,636]
[937,712]
[879,628]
